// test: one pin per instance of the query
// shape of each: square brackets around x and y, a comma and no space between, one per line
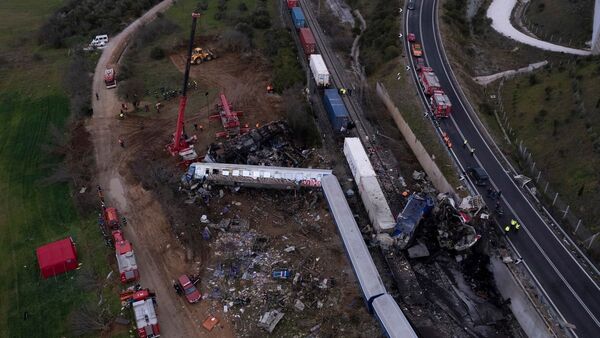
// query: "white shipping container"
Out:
[376,205]
[319,70]
[357,158]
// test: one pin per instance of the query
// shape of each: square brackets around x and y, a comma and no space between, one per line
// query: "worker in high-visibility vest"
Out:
[515,224]
[507,229]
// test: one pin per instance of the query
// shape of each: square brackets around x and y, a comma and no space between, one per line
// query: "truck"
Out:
[110,78]
[308,41]
[336,110]
[292,3]
[146,320]
[298,18]
[429,80]
[126,262]
[111,218]
[319,70]
[440,104]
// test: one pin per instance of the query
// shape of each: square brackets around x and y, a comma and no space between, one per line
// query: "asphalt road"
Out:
[571,290]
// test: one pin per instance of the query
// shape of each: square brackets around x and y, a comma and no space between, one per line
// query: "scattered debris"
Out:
[210,323]
[270,319]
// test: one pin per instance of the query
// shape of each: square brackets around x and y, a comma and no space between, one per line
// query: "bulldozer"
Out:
[200,55]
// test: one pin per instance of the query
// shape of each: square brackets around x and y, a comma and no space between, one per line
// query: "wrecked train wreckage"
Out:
[267,145]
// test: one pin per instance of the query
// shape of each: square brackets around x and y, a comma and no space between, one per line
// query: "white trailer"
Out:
[376,205]
[319,70]
[357,158]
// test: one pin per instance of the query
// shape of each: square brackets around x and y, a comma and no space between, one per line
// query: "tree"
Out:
[131,90]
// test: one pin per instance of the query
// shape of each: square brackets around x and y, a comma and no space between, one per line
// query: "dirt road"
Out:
[160,258]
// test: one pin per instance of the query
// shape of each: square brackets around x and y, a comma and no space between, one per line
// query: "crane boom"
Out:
[179,143]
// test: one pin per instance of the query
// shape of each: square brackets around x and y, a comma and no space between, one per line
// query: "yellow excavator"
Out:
[200,55]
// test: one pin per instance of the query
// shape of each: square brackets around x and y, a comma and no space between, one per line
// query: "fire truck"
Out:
[440,104]
[110,78]
[429,80]
[143,304]
[126,262]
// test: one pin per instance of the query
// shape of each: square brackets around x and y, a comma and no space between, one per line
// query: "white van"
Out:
[100,41]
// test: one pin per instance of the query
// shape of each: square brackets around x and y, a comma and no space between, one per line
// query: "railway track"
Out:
[363,128]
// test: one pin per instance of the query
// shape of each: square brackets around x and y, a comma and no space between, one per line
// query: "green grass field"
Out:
[557,115]
[570,20]
[33,213]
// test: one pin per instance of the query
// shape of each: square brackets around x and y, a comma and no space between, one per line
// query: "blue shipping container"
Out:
[336,110]
[298,17]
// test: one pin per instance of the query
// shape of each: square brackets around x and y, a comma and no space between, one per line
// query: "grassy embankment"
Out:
[33,213]
[564,22]
[383,65]
[556,113]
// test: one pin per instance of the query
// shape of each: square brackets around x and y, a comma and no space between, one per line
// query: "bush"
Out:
[85,18]
[286,70]
[202,5]
[533,80]
[261,18]
[302,124]
[157,53]
[234,41]
[242,7]
[78,82]
[246,29]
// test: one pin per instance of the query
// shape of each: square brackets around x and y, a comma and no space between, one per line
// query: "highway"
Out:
[570,289]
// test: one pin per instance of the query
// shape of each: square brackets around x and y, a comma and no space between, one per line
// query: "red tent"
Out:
[57,257]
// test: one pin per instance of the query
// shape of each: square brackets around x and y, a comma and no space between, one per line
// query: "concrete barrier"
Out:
[429,166]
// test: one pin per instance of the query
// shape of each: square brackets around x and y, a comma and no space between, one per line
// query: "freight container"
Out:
[357,158]
[336,110]
[292,3]
[298,17]
[319,70]
[308,41]
[376,205]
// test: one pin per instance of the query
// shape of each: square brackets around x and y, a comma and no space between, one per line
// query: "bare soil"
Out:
[141,179]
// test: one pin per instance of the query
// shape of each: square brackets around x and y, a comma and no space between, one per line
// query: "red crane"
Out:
[179,143]
[229,119]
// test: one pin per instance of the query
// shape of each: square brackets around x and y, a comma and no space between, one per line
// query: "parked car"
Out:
[281,274]
[411,37]
[189,289]
[478,175]
[417,51]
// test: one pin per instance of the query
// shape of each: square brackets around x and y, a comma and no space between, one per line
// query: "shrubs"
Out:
[78,82]
[89,17]
[280,49]
[383,31]
[157,53]
[302,124]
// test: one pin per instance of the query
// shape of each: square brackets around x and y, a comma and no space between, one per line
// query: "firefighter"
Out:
[472,151]
[465,143]
[515,224]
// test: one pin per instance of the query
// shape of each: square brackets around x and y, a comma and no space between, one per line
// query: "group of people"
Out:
[513,225]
